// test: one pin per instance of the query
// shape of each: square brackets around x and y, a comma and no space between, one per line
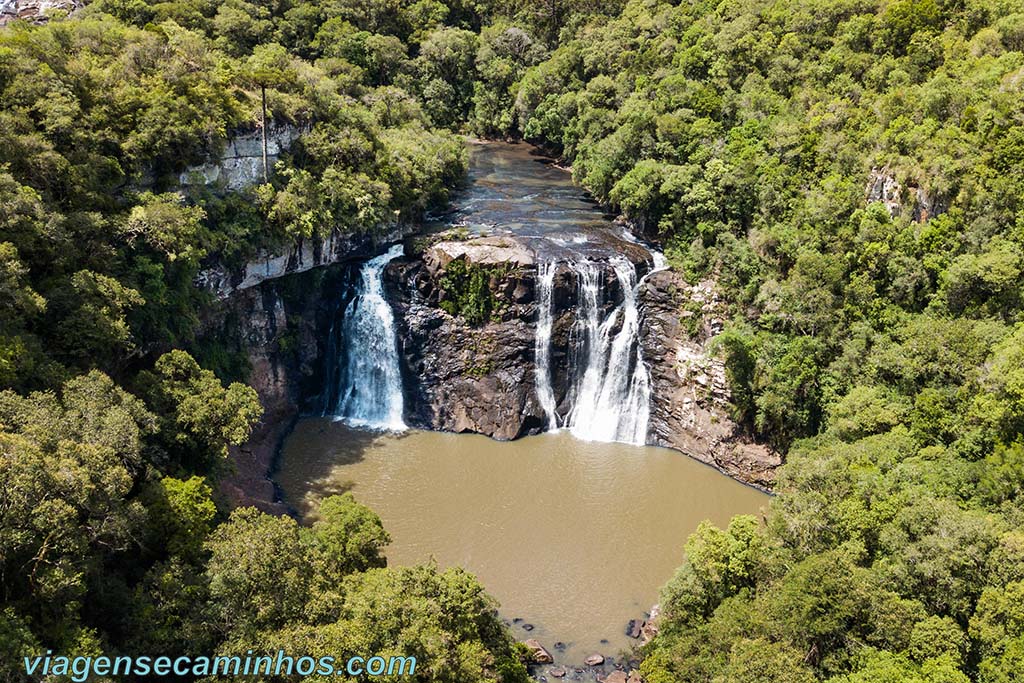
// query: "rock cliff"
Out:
[240,165]
[465,314]
[35,10]
[461,377]
[278,328]
[690,401]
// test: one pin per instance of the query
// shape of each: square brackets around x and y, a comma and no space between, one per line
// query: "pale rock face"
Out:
[883,187]
[302,255]
[241,164]
[34,10]
[483,251]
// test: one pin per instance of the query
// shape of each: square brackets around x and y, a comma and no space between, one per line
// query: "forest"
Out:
[849,173]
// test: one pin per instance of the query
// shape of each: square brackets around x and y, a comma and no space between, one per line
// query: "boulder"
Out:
[594,660]
[634,628]
[539,654]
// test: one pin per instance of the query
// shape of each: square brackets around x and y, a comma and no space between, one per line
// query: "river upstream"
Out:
[572,531]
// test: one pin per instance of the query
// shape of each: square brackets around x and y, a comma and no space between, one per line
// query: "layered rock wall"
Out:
[35,10]
[690,400]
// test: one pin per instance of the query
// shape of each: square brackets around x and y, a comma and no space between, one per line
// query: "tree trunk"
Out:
[263,126]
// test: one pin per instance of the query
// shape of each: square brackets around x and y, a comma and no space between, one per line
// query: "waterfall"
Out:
[610,387]
[542,341]
[370,381]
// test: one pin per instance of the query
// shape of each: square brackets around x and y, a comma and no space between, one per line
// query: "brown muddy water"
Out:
[573,537]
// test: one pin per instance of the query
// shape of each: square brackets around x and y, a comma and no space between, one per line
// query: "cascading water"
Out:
[370,380]
[612,401]
[542,341]
[610,389]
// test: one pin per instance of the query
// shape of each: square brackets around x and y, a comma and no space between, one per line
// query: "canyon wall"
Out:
[468,358]
[690,401]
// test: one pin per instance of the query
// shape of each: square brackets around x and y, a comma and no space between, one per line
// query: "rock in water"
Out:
[594,660]
[539,654]
[635,628]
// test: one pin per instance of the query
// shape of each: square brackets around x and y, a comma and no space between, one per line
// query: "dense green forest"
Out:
[876,337]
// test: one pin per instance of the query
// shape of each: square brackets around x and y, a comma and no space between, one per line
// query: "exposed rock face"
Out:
[281,337]
[478,378]
[884,187]
[35,10]
[689,410]
[481,379]
[460,377]
[303,255]
[241,164]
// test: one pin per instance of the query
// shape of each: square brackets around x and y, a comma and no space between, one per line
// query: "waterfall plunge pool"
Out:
[571,536]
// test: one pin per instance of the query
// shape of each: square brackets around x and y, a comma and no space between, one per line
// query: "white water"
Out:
[370,383]
[542,341]
[610,390]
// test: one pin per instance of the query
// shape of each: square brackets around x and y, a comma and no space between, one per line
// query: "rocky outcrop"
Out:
[462,377]
[35,10]
[884,187]
[299,257]
[240,165]
[480,378]
[689,410]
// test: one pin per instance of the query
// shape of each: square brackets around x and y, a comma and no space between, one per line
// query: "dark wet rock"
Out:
[594,660]
[527,627]
[538,653]
[634,628]
[560,646]
[463,377]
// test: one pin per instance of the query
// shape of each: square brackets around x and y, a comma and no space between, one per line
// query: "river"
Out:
[573,531]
